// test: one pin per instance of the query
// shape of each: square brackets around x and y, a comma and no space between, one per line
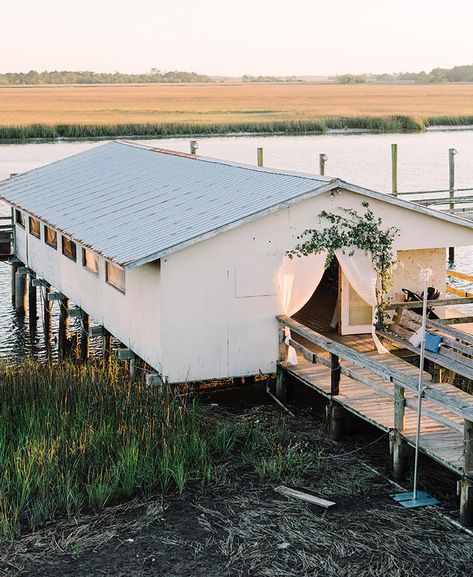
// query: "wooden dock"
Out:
[382,390]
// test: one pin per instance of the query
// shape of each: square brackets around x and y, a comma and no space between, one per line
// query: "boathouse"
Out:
[182,258]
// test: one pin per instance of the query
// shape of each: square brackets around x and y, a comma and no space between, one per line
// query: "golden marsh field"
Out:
[238,106]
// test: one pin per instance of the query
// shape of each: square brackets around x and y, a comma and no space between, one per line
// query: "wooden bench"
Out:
[456,349]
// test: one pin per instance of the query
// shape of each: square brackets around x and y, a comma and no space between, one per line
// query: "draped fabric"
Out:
[359,270]
[299,277]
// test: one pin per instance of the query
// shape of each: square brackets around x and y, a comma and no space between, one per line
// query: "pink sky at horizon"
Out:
[235,37]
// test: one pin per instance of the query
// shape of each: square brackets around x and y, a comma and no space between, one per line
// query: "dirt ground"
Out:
[241,526]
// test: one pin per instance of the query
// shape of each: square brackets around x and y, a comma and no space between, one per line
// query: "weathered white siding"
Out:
[133,317]
[208,311]
[220,296]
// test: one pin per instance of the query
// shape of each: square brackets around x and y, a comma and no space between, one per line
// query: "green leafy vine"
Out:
[349,231]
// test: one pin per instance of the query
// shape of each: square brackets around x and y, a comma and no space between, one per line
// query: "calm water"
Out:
[362,159]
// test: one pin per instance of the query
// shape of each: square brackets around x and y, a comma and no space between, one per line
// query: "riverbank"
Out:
[238,524]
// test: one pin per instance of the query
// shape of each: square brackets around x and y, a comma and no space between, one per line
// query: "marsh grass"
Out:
[308,126]
[75,438]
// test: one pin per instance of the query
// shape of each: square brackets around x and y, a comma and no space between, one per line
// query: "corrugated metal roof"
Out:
[132,203]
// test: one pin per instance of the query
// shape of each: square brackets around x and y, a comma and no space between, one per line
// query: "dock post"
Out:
[336,421]
[281,389]
[335,375]
[47,326]
[451,188]
[322,160]
[32,302]
[466,491]
[14,268]
[20,292]
[133,366]
[259,156]
[106,349]
[84,336]
[194,146]
[397,445]
[394,169]
[63,327]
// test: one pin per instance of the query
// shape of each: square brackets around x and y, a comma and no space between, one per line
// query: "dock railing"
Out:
[344,360]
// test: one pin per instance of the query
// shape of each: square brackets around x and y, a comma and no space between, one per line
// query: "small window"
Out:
[90,260]
[50,236]
[35,229]
[19,218]
[115,276]
[69,248]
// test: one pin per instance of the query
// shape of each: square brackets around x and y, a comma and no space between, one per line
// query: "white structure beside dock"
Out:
[179,256]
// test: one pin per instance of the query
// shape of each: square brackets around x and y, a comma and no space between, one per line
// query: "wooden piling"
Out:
[336,422]
[47,326]
[14,268]
[397,445]
[63,340]
[133,367]
[32,302]
[259,156]
[466,484]
[84,336]
[451,188]
[322,160]
[20,291]
[106,348]
[281,389]
[394,169]
[335,375]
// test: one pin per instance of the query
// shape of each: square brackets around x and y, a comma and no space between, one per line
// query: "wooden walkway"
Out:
[368,392]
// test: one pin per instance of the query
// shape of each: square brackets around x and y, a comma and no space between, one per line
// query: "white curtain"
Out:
[360,273]
[299,277]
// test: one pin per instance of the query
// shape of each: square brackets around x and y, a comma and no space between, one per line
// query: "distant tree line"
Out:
[436,75]
[87,77]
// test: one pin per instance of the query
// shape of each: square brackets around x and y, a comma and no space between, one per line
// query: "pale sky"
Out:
[235,37]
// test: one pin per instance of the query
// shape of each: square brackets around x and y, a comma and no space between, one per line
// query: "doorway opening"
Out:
[320,313]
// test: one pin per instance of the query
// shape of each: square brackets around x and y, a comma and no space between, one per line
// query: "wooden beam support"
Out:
[20,292]
[55,296]
[397,444]
[14,268]
[106,348]
[335,375]
[466,484]
[63,341]
[336,421]
[281,388]
[47,325]
[97,331]
[32,302]
[84,336]
[125,354]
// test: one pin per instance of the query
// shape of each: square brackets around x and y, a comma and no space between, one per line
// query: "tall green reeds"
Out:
[74,437]
[305,126]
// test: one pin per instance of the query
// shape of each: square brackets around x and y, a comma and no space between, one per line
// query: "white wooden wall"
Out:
[220,296]
[133,317]
[208,311]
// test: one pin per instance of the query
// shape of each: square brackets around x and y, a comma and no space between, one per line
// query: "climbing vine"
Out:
[348,231]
